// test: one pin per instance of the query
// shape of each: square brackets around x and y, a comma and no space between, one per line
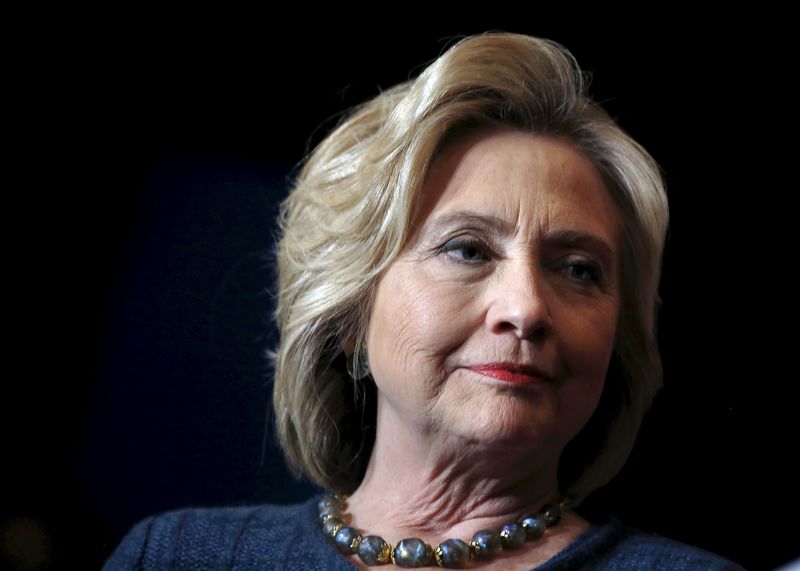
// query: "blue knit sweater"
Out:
[288,537]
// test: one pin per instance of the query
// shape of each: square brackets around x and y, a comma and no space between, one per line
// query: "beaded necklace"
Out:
[413,552]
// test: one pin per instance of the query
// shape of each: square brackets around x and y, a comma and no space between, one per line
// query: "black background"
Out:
[149,156]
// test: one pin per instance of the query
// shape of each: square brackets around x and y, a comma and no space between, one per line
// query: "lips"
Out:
[511,373]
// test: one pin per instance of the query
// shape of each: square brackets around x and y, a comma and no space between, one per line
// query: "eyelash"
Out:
[464,244]
[457,244]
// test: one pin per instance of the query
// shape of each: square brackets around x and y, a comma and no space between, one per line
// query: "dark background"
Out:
[151,155]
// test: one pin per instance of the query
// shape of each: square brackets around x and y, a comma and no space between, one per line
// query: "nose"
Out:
[519,302]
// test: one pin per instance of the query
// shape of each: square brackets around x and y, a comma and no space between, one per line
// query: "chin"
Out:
[509,422]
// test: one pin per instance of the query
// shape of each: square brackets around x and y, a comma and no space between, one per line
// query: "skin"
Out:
[457,451]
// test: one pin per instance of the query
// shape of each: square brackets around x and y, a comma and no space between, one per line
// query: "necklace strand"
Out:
[413,552]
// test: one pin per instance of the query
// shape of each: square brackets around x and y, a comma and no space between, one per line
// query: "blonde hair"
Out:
[348,216]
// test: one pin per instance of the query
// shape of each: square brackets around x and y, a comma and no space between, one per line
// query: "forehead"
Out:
[535,182]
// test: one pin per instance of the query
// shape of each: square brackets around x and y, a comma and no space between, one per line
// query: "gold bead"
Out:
[438,554]
[429,549]
[387,553]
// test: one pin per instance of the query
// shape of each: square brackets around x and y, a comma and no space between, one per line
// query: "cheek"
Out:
[415,324]
[587,335]
[588,353]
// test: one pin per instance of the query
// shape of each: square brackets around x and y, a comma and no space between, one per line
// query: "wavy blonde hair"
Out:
[348,216]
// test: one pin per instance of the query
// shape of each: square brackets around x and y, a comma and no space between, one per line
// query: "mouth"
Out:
[511,373]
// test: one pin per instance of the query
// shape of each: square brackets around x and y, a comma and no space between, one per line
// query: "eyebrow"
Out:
[470,218]
[558,237]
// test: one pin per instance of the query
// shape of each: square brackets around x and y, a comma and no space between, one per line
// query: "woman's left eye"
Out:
[468,251]
[586,272]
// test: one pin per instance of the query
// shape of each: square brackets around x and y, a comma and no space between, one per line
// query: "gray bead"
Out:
[551,514]
[330,510]
[452,553]
[486,543]
[412,552]
[371,548]
[329,527]
[347,540]
[534,526]
[513,535]
[328,501]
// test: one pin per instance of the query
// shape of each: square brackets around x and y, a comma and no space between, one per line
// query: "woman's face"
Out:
[497,322]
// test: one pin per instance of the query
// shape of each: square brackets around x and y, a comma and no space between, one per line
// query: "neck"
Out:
[421,484]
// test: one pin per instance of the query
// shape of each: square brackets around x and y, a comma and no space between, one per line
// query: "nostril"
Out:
[506,326]
[527,325]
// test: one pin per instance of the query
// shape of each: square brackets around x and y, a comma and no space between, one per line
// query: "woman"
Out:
[468,274]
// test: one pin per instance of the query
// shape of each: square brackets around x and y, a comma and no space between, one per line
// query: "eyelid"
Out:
[585,258]
[462,241]
[595,266]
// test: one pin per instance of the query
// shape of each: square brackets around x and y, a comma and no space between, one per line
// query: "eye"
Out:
[585,271]
[466,250]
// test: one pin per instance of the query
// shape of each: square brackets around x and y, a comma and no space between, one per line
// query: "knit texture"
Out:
[289,537]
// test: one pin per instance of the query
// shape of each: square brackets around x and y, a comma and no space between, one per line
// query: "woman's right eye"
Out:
[465,250]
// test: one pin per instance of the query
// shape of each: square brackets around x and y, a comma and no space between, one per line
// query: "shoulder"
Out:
[613,545]
[258,536]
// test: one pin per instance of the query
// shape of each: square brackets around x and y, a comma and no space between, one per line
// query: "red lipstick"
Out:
[511,373]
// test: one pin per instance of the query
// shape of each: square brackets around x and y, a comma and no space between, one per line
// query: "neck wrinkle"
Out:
[419,486]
